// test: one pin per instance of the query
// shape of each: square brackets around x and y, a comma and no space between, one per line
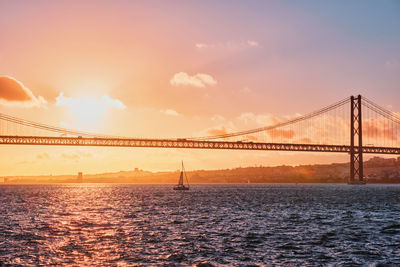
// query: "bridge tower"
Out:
[356,153]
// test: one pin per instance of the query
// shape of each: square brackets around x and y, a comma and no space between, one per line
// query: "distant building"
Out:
[80,177]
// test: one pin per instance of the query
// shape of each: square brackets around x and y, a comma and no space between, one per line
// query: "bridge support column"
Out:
[356,153]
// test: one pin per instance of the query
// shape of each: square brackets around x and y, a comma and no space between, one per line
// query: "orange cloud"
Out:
[43,156]
[217,117]
[170,112]
[287,134]
[70,156]
[379,129]
[76,155]
[218,131]
[14,93]
[252,138]
[305,140]
[198,80]
[259,119]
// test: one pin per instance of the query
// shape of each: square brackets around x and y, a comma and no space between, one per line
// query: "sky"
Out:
[185,68]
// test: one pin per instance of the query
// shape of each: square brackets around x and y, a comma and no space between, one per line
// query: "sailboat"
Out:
[180,185]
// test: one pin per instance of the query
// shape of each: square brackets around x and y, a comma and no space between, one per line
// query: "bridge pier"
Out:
[356,148]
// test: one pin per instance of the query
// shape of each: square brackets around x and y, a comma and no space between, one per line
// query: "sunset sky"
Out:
[183,68]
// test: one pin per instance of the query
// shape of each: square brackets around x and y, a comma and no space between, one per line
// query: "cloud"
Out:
[253,43]
[170,112]
[14,93]
[305,140]
[217,117]
[76,155]
[260,119]
[43,156]
[24,162]
[217,131]
[85,154]
[245,90]
[252,138]
[70,156]
[201,45]
[223,128]
[198,80]
[64,124]
[285,134]
[392,63]
[379,130]
[228,45]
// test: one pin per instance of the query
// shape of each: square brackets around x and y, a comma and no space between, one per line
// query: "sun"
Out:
[88,111]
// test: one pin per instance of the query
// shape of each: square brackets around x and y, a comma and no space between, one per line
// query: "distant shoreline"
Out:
[376,170]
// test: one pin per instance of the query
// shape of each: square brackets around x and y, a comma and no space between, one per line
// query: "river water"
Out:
[141,225]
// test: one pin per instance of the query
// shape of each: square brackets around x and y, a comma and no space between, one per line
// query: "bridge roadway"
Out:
[185,143]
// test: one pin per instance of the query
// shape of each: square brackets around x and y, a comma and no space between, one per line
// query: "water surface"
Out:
[103,224]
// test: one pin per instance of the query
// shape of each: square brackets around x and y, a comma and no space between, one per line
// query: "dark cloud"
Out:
[14,92]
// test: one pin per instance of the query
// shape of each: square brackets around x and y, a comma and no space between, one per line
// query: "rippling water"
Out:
[92,224]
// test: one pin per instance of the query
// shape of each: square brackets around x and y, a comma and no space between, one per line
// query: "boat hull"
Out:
[355,182]
[181,188]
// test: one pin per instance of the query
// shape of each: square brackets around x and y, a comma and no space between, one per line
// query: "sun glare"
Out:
[88,111]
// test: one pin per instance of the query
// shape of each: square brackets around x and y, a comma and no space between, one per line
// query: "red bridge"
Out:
[340,128]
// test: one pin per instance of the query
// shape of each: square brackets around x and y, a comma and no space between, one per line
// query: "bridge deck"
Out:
[183,143]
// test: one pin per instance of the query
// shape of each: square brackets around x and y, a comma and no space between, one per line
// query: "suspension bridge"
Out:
[343,127]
